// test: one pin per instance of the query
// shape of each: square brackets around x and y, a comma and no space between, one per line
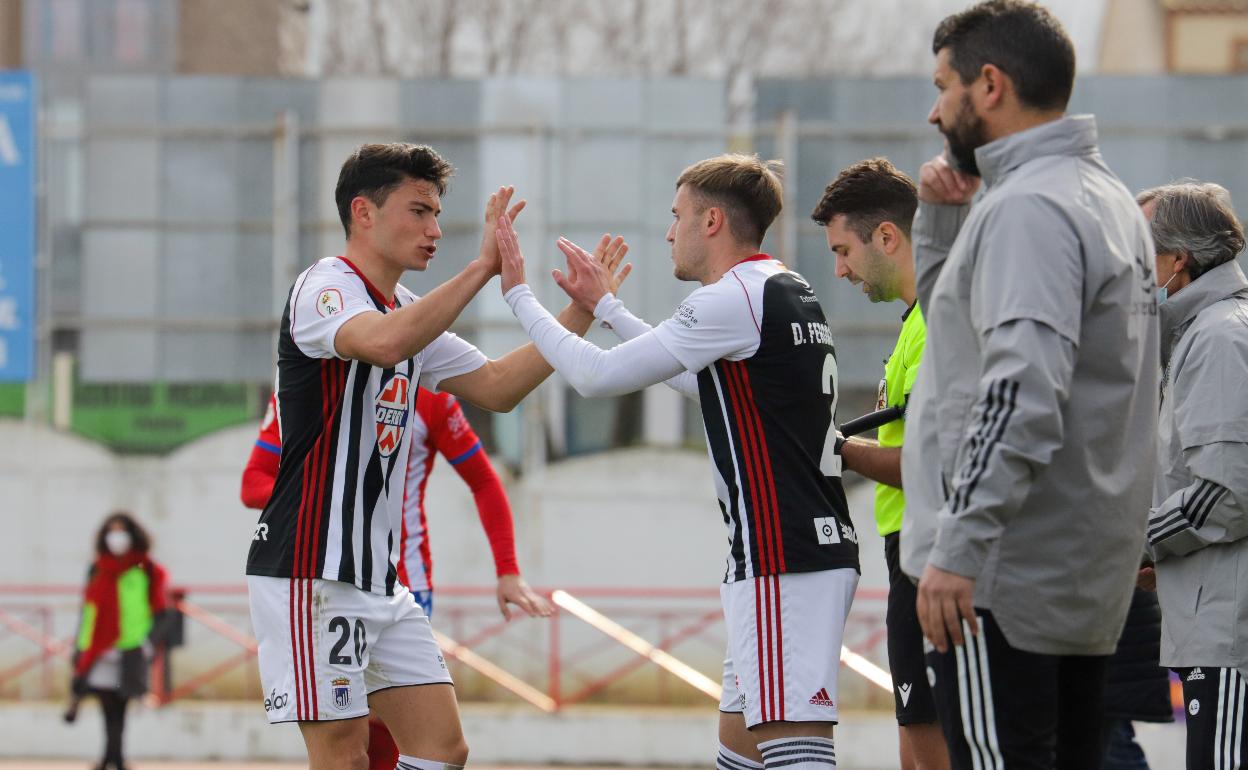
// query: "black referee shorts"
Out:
[1007,709]
[1216,700]
[912,692]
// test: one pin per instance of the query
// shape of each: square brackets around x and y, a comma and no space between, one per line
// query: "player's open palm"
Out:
[511,258]
[590,276]
[495,207]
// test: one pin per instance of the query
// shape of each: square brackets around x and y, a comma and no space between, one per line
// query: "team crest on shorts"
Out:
[342,692]
[392,413]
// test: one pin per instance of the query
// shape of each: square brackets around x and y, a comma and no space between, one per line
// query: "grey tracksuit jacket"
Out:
[1198,526]
[1031,438]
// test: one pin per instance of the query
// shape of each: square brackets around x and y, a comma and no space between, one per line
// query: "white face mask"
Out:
[117,541]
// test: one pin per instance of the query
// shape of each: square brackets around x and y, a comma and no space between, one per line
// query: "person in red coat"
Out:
[123,600]
[439,427]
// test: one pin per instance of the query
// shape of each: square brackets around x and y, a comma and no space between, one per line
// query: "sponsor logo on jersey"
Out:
[827,530]
[456,423]
[276,702]
[392,413]
[1193,708]
[329,303]
[849,533]
[685,316]
[822,698]
[1195,675]
[262,532]
[903,690]
[342,692]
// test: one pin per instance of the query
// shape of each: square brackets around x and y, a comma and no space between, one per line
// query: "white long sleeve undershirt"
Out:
[627,326]
[592,371]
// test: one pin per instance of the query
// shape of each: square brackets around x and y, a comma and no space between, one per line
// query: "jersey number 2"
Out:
[830,461]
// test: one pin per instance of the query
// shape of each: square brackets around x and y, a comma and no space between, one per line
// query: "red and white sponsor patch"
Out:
[392,413]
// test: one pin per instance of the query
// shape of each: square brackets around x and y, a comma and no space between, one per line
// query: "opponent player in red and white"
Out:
[441,428]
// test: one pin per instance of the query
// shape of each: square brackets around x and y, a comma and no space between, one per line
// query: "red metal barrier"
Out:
[575,666]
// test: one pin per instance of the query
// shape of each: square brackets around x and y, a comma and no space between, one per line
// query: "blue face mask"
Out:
[1163,294]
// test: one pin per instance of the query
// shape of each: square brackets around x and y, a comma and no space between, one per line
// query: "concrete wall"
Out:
[637,519]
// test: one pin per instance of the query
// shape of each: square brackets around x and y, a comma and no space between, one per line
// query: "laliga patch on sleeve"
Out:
[329,303]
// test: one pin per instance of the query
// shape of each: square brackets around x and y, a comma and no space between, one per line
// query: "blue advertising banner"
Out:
[17,226]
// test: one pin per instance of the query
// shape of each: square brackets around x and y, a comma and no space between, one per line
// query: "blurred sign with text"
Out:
[17,226]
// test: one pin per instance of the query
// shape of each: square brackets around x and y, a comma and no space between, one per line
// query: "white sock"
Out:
[730,760]
[803,753]
[416,763]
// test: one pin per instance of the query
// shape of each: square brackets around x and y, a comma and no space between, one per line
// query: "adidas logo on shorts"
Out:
[822,698]
[1196,675]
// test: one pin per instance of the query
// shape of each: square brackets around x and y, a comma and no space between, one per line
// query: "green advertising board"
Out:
[159,417]
[12,399]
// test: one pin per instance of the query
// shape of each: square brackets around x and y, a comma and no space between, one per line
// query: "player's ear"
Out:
[361,212]
[714,219]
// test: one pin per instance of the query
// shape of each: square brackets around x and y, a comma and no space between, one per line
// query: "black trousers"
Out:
[1216,701]
[1002,708]
[113,704]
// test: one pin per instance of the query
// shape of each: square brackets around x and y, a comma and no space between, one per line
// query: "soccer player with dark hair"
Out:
[339,634]
[866,214]
[1030,438]
[752,345]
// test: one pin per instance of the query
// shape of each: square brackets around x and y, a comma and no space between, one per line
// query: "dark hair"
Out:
[140,541]
[1022,39]
[868,193]
[746,187]
[375,170]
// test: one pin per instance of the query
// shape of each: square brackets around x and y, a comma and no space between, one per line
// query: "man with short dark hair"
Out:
[752,345]
[340,636]
[1029,442]
[1198,523]
[866,213]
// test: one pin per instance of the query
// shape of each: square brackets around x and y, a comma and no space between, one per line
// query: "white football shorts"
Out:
[325,645]
[784,645]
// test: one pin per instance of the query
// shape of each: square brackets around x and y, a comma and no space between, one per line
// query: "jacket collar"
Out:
[1072,135]
[1212,286]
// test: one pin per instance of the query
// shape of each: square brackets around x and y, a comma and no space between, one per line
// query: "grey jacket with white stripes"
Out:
[1031,436]
[1198,526]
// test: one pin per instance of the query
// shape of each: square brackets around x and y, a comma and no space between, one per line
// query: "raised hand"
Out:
[590,276]
[495,207]
[940,182]
[511,259]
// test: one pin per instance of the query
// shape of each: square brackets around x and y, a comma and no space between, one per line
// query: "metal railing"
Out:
[598,640]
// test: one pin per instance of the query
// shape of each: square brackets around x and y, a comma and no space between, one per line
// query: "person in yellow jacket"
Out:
[124,595]
[866,214]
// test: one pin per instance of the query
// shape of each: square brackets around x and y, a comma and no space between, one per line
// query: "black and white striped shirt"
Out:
[766,368]
[337,505]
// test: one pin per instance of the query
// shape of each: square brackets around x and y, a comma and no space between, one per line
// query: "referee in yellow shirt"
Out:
[866,213]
